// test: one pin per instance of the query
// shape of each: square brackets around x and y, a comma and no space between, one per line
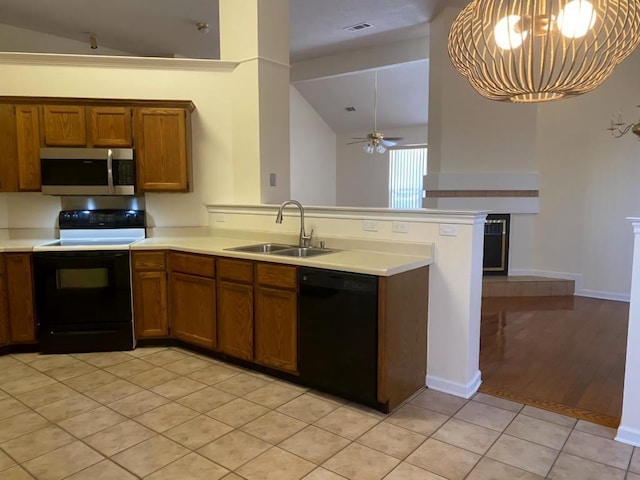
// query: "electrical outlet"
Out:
[369,225]
[400,227]
[447,230]
[218,218]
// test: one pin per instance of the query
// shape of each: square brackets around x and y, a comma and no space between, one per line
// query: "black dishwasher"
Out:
[338,333]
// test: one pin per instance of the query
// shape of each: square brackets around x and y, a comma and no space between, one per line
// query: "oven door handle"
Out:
[110,171]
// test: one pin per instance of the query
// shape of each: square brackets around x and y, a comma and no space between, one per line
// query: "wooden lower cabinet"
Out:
[4,319]
[150,304]
[276,319]
[403,303]
[192,303]
[150,300]
[235,319]
[19,291]
[276,328]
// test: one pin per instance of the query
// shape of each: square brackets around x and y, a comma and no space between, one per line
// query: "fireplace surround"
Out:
[496,244]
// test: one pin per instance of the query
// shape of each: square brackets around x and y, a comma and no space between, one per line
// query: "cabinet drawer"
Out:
[276,275]
[237,270]
[201,265]
[149,260]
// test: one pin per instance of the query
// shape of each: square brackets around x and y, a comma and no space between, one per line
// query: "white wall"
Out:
[206,83]
[14,39]
[313,154]
[589,185]
[363,178]
[587,179]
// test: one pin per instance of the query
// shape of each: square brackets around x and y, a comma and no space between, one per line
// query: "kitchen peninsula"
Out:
[196,291]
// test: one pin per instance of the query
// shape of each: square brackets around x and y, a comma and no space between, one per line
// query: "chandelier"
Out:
[618,128]
[540,50]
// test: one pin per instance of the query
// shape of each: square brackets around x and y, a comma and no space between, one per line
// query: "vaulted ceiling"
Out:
[317,29]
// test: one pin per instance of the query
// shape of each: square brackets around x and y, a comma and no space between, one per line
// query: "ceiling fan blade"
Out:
[394,139]
[387,143]
[359,141]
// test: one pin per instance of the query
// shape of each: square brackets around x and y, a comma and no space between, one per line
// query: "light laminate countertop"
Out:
[352,260]
[355,261]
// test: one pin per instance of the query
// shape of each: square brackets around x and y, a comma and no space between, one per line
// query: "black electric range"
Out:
[82,282]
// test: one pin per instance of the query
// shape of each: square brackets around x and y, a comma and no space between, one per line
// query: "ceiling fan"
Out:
[375,140]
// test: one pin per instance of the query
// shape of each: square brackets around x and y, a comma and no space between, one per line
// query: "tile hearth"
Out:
[167,413]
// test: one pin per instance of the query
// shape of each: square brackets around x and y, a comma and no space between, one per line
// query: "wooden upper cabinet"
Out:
[64,126]
[162,141]
[28,147]
[8,149]
[109,127]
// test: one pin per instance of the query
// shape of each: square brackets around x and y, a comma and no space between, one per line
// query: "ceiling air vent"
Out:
[358,26]
[350,109]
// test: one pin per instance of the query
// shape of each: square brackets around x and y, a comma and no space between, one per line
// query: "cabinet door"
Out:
[110,127]
[64,126]
[277,328]
[235,319]
[4,319]
[8,149]
[162,150]
[20,297]
[28,136]
[150,304]
[193,309]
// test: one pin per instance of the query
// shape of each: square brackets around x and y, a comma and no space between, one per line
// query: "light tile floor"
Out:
[167,413]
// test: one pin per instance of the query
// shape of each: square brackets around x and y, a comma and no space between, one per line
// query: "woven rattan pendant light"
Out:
[541,50]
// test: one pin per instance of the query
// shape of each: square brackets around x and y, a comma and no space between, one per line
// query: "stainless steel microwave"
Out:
[88,171]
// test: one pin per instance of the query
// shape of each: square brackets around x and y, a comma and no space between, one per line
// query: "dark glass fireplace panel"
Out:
[496,244]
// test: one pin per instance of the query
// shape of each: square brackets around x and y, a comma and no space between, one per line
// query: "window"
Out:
[407,166]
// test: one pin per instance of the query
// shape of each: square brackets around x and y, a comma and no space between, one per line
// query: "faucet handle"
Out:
[306,239]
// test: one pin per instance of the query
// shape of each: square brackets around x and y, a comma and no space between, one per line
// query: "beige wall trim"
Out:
[481,193]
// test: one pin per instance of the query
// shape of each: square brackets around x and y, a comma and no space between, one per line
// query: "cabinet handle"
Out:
[110,170]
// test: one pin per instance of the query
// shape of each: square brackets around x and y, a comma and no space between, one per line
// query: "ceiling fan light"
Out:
[368,148]
[380,148]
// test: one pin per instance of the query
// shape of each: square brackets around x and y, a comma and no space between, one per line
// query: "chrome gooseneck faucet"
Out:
[304,240]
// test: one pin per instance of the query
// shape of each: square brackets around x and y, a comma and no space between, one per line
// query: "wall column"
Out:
[256,34]
[629,429]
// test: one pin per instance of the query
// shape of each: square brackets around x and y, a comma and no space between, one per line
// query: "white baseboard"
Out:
[580,291]
[576,277]
[455,388]
[630,436]
[620,297]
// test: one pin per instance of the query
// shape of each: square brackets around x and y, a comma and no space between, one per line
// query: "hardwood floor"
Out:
[564,354]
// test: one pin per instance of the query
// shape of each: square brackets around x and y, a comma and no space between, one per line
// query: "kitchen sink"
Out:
[261,248]
[300,252]
[281,249]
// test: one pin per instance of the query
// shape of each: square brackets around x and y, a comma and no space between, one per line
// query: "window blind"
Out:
[407,166]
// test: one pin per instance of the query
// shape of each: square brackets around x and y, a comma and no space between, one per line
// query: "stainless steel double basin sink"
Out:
[281,249]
